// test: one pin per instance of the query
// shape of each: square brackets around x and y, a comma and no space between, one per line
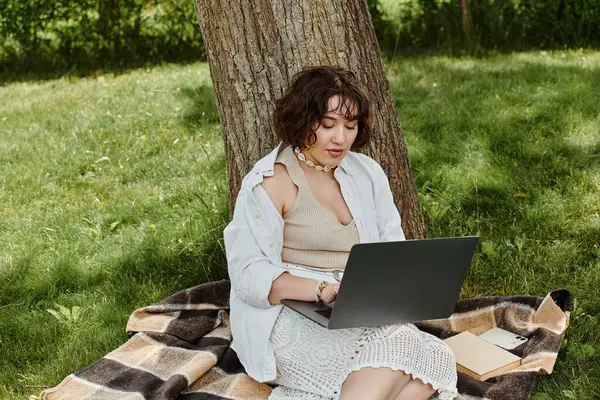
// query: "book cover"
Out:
[480,359]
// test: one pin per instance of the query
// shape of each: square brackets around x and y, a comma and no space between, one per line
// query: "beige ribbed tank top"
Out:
[312,236]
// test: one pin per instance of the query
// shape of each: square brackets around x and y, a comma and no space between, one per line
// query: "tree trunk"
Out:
[254,47]
[109,14]
[465,22]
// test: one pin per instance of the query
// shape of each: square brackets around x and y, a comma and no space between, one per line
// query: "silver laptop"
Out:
[396,282]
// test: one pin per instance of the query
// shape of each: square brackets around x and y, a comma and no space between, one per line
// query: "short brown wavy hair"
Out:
[305,102]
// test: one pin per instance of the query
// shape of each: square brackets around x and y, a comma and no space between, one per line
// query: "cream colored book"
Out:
[480,359]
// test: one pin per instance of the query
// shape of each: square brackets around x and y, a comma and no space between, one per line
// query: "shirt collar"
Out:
[345,165]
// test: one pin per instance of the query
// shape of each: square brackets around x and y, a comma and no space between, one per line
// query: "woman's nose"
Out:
[339,136]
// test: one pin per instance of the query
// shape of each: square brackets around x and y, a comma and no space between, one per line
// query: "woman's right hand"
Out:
[330,292]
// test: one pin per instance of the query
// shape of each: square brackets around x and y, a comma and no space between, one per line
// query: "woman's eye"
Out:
[348,127]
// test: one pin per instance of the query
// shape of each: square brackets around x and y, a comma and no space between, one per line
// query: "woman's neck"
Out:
[312,170]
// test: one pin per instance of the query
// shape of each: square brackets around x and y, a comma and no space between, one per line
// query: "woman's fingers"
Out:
[330,292]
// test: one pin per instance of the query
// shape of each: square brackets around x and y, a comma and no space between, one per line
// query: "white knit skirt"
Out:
[313,362]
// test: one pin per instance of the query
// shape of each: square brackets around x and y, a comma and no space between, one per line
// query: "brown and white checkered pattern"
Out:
[180,349]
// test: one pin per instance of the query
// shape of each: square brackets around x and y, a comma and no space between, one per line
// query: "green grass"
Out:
[113,195]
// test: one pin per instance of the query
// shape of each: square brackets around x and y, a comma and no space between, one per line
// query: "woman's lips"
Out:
[335,153]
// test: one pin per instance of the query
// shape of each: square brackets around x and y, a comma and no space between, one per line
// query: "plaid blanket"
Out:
[179,349]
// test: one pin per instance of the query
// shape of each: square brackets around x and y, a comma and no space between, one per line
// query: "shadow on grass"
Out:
[528,125]
[13,73]
[203,107]
[175,269]
[475,53]
[155,262]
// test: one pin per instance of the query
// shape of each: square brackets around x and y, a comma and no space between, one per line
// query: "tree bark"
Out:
[109,15]
[465,21]
[254,47]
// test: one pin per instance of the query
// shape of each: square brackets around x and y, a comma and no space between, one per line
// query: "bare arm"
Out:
[291,287]
[283,192]
[288,286]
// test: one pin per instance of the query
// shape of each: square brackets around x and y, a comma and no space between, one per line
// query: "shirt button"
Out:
[257,216]
[271,245]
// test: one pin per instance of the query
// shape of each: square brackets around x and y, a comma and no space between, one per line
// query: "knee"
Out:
[374,383]
[425,389]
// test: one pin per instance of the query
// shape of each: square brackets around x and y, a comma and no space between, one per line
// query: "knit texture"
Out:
[307,223]
[313,362]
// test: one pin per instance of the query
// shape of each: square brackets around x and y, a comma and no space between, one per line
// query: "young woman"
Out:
[298,213]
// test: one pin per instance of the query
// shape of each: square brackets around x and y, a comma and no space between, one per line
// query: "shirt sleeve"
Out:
[249,268]
[389,222]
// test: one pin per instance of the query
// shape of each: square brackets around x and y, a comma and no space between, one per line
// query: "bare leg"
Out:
[416,390]
[373,384]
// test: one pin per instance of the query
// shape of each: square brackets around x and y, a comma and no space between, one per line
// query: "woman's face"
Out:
[335,136]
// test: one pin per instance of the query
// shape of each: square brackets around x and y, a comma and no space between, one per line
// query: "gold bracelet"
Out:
[319,289]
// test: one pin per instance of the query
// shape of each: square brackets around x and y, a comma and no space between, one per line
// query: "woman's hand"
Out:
[330,292]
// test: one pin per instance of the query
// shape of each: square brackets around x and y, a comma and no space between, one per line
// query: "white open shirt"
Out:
[254,241]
